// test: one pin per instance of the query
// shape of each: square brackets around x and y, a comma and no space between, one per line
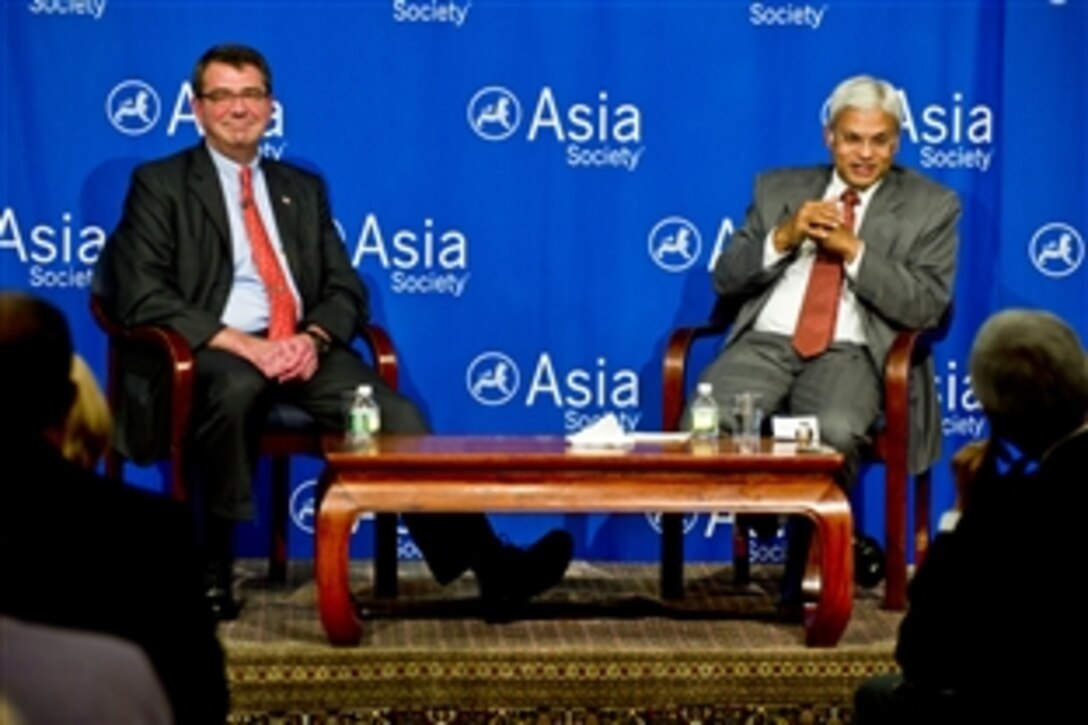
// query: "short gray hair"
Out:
[864,93]
[1029,371]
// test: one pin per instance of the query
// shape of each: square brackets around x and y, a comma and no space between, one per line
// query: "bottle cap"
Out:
[364,389]
[705,388]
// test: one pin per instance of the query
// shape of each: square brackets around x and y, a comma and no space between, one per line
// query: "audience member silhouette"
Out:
[978,642]
[82,552]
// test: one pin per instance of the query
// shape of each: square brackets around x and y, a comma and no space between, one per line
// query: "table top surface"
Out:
[519,451]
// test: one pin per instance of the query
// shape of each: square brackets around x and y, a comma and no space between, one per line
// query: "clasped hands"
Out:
[291,358]
[822,222]
[284,360]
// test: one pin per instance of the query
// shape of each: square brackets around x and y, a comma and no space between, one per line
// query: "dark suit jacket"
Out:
[82,552]
[169,262]
[995,599]
[904,281]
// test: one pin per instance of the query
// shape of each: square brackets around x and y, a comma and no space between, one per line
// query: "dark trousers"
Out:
[229,406]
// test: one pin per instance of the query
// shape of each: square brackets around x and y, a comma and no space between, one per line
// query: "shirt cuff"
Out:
[851,268]
[771,256]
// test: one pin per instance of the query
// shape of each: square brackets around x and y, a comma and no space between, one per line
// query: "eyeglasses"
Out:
[220,96]
[881,142]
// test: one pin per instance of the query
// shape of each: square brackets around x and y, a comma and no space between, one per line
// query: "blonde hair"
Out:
[88,427]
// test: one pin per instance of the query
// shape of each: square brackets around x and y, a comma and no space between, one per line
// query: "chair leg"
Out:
[277,553]
[672,556]
[385,555]
[742,557]
[895,511]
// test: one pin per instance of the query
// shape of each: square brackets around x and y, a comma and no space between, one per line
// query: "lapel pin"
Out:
[285,199]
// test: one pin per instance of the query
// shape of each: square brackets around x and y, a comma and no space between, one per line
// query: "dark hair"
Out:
[35,364]
[237,56]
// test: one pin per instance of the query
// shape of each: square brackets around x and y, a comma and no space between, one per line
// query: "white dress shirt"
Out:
[783,308]
[247,305]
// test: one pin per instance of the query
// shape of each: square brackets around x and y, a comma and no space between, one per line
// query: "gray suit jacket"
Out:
[904,280]
[169,262]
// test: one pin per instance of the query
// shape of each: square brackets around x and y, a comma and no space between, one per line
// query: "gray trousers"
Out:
[841,387]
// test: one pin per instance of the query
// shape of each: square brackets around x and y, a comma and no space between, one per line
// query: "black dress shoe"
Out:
[219,590]
[224,606]
[513,576]
[868,561]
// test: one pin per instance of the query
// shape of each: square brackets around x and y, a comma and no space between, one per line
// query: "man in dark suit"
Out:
[818,301]
[81,552]
[239,255]
[977,644]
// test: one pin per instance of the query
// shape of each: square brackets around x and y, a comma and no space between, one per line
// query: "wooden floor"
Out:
[601,642]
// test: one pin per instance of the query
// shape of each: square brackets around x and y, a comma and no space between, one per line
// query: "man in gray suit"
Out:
[891,269]
[239,255]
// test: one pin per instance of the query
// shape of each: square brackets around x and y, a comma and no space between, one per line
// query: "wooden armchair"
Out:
[890,444]
[287,431]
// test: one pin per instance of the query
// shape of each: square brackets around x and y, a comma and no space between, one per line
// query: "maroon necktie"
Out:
[816,323]
[282,312]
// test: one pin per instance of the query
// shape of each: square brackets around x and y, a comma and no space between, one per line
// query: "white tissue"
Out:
[605,432]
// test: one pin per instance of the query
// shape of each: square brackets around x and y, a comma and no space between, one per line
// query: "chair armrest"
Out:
[162,341]
[674,370]
[908,348]
[382,352]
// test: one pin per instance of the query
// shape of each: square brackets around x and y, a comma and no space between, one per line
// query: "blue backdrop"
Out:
[506,175]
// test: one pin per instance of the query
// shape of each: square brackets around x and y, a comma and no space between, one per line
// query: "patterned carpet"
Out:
[602,647]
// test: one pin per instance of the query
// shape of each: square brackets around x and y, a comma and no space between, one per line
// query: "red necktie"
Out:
[282,313]
[816,323]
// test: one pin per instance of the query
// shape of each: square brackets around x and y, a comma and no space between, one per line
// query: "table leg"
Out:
[336,515]
[826,621]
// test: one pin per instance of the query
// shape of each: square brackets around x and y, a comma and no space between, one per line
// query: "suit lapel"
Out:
[878,227]
[204,183]
[810,184]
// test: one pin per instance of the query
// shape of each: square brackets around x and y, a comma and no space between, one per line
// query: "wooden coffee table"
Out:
[420,474]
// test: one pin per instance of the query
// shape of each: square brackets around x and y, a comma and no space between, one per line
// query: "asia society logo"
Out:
[133,107]
[494,113]
[674,244]
[492,378]
[581,394]
[593,134]
[302,508]
[421,259]
[92,8]
[1056,250]
[961,413]
[57,254]
[431,11]
[654,520]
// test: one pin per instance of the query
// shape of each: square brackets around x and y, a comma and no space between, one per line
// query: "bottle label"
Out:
[372,420]
[704,420]
[358,425]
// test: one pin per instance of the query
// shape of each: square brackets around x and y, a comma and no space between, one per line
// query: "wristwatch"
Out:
[321,343]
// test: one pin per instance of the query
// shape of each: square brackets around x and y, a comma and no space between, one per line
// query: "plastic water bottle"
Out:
[705,414]
[364,417]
